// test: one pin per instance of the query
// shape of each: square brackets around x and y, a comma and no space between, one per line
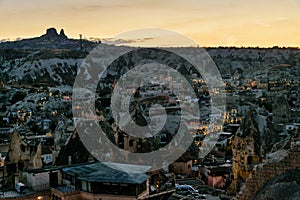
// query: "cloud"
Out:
[263,24]
[103,5]
[5,40]
[118,41]
[282,19]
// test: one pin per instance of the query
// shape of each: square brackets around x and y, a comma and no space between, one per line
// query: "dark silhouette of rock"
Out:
[76,149]
[62,34]
[51,33]
[50,40]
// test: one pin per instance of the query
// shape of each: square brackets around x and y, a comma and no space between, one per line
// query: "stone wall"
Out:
[282,161]
[76,195]
[45,195]
[184,167]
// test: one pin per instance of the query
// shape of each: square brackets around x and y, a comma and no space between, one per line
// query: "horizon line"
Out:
[192,46]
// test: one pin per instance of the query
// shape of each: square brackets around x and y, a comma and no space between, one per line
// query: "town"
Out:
[257,127]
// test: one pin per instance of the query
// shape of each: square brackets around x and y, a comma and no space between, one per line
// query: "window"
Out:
[20,165]
[84,186]
[73,180]
[142,187]
[67,177]
[253,160]
[131,143]
[22,148]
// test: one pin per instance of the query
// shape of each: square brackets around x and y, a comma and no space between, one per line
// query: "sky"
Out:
[264,23]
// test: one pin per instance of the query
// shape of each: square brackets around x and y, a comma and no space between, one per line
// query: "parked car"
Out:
[185,189]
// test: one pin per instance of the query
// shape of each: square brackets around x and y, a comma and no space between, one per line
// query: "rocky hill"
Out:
[54,58]
[50,40]
[31,69]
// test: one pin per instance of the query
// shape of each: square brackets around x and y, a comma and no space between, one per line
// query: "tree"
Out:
[56,93]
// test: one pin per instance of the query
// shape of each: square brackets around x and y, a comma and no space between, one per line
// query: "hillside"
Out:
[54,58]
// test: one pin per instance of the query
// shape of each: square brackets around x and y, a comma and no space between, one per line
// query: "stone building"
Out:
[183,166]
[100,181]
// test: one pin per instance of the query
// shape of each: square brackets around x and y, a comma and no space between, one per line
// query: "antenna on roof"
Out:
[80,35]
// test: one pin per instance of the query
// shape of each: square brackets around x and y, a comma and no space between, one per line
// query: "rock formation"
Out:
[253,140]
[284,186]
[62,34]
[278,177]
[22,155]
[36,160]
[74,151]
[14,152]
[51,34]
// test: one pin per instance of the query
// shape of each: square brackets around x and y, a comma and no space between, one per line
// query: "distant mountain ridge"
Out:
[50,40]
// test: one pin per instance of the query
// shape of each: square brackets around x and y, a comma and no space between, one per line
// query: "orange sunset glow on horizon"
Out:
[209,23]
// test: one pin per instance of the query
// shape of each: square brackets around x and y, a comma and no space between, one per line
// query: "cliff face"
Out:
[252,142]
[283,186]
[277,178]
[14,152]
[24,155]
